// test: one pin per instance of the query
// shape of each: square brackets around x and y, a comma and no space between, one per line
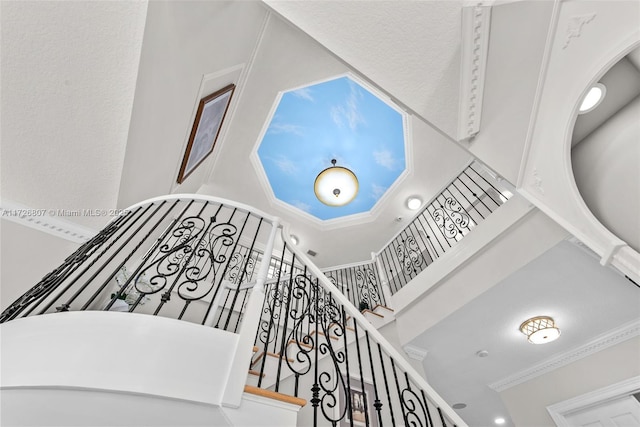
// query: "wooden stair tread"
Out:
[256,373]
[275,395]
[371,312]
[382,306]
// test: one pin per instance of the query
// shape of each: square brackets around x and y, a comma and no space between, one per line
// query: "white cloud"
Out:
[348,112]
[303,93]
[377,191]
[285,128]
[301,205]
[285,165]
[385,159]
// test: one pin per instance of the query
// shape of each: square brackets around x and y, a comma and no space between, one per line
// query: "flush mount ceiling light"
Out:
[540,329]
[336,185]
[414,203]
[593,98]
[294,239]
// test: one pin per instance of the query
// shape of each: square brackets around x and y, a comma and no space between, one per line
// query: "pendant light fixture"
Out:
[336,185]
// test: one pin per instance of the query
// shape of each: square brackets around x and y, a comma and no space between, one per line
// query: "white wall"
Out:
[79,407]
[26,256]
[527,402]
[124,352]
[605,165]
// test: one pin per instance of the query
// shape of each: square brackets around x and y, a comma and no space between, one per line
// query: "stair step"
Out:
[382,307]
[275,395]
[256,373]
[366,310]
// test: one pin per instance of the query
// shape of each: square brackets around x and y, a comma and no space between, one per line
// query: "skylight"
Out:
[337,119]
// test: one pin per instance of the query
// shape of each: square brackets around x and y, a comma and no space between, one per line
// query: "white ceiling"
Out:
[566,283]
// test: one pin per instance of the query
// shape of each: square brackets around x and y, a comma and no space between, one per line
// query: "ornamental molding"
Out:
[476,22]
[609,339]
[575,26]
[537,181]
[45,220]
[415,353]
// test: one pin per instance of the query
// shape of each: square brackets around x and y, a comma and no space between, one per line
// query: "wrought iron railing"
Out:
[313,343]
[208,261]
[359,283]
[444,221]
[179,257]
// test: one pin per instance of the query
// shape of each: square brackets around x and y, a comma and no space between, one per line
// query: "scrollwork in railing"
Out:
[331,382]
[201,265]
[409,255]
[276,298]
[451,218]
[415,412]
[171,256]
[367,283]
[299,341]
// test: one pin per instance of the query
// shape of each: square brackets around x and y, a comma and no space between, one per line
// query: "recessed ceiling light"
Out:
[414,203]
[593,98]
[540,329]
[499,420]
[294,239]
[459,405]
[482,353]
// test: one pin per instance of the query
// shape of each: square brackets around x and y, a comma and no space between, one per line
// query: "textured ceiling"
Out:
[68,77]
[409,48]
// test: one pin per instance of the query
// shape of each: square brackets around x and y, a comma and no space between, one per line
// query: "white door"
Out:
[622,412]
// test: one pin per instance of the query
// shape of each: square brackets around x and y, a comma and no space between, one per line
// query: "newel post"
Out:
[384,283]
[251,321]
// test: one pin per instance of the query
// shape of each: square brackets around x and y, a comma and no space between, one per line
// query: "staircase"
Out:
[212,289]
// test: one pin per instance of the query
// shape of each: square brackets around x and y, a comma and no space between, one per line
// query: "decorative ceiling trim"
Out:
[415,353]
[575,26]
[602,342]
[476,22]
[48,221]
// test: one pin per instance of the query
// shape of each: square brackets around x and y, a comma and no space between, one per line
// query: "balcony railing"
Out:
[182,258]
[360,283]
[222,265]
[441,224]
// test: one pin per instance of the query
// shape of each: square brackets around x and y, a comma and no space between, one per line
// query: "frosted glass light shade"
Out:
[336,186]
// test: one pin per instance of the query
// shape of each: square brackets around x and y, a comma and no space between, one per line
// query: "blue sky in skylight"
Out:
[335,119]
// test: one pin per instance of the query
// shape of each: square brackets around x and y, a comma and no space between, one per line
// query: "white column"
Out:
[251,321]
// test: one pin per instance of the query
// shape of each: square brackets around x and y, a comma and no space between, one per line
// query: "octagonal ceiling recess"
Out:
[335,119]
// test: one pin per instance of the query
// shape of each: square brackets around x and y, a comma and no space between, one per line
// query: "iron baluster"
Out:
[386,385]
[376,403]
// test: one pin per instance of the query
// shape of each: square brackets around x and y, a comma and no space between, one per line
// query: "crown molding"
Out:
[476,22]
[415,353]
[46,220]
[609,339]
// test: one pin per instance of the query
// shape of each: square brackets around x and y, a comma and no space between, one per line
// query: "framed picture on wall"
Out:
[362,400]
[205,130]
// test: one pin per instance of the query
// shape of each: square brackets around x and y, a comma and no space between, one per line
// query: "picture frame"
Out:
[362,401]
[212,110]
